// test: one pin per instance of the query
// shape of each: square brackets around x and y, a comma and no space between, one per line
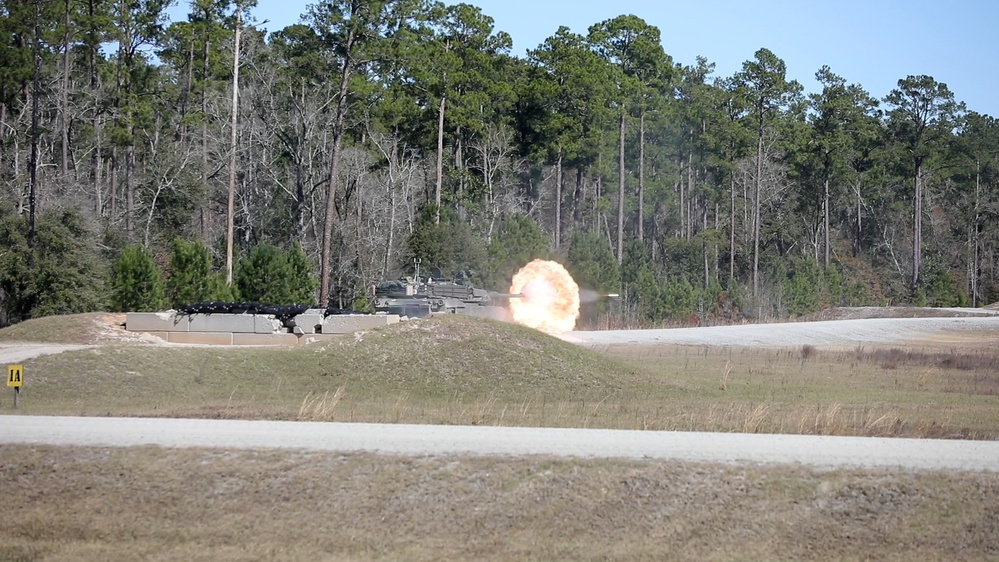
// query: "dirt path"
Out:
[421,440]
[15,352]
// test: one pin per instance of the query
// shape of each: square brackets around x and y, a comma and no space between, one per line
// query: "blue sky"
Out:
[870,42]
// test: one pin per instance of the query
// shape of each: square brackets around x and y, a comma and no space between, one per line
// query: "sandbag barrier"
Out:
[281,312]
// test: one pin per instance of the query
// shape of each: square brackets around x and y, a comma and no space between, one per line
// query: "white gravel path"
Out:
[831,333]
[15,352]
[816,451]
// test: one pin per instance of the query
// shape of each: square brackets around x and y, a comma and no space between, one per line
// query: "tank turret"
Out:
[421,296]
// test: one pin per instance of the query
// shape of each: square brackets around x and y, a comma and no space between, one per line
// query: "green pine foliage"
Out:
[136,285]
[679,299]
[270,275]
[592,264]
[191,278]
[803,288]
[448,245]
[517,242]
[68,275]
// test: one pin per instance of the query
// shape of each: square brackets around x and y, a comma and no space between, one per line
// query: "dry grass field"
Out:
[163,504]
[191,505]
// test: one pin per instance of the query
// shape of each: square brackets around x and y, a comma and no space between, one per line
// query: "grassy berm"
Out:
[443,370]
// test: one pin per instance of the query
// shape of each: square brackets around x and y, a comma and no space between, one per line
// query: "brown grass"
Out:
[168,504]
[948,392]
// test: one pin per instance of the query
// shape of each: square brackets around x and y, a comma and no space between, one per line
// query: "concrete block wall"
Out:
[307,322]
[251,329]
[168,321]
[236,323]
[349,323]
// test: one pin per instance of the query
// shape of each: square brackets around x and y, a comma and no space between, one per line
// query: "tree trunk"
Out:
[858,235]
[597,191]
[756,213]
[825,223]
[459,167]
[330,217]
[558,200]
[689,225]
[577,199]
[393,168]
[95,160]
[620,193]
[440,159]
[113,178]
[975,232]
[3,129]
[33,162]
[683,200]
[731,231]
[300,190]
[64,99]
[704,248]
[130,184]
[206,209]
[641,177]
[917,225]
[231,207]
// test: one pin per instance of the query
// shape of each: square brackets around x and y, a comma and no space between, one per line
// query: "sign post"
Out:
[15,377]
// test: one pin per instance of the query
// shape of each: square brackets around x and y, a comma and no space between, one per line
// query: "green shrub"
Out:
[135,282]
[271,275]
[68,275]
[449,245]
[517,242]
[191,277]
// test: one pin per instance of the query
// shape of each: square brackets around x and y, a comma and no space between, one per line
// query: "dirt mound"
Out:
[85,329]
[475,352]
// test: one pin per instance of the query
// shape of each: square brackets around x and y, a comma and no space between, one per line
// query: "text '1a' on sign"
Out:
[15,378]
[15,375]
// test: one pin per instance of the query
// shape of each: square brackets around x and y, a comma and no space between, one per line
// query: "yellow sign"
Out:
[15,375]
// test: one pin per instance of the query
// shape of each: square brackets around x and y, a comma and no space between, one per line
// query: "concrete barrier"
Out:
[252,329]
[204,338]
[242,323]
[168,321]
[309,322]
[265,339]
[348,323]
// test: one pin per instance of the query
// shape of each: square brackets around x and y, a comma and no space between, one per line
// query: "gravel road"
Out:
[817,451]
[831,333]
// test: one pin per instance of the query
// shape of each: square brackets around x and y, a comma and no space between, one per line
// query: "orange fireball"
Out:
[550,297]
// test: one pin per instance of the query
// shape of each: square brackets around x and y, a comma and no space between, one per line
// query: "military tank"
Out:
[420,296]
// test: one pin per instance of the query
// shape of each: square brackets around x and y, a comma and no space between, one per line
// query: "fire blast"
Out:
[550,300]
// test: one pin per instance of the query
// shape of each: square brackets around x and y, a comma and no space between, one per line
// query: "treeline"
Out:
[381,131]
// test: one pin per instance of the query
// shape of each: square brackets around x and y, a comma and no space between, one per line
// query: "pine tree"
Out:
[269,275]
[191,277]
[136,285]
